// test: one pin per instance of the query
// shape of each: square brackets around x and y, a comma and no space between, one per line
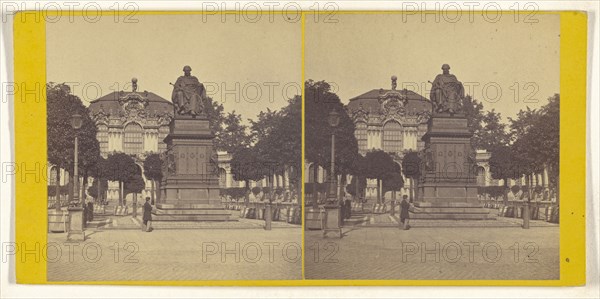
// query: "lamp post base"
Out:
[333,214]
[75,232]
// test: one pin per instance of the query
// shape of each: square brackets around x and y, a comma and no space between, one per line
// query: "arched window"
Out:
[163,131]
[311,173]
[53,177]
[222,178]
[361,136]
[133,141]
[392,137]
[480,176]
[102,136]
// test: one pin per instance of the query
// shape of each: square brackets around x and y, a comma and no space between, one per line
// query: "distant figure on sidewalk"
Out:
[147,217]
[90,209]
[347,208]
[404,205]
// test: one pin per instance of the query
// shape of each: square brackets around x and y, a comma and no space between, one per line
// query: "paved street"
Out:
[498,249]
[184,254]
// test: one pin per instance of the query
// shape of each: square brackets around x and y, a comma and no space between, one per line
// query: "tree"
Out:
[393,181]
[411,167]
[286,133]
[488,129]
[153,172]
[319,102]
[380,165]
[61,106]
[233,134]
[214,112]
[494,132]
[502,166]
[547,131]
[358,169]
[246,167]
[97,190]
[525,147]
[537,141]
[99,172]
[120,167]
[474,114]
[134,185]
[282,128]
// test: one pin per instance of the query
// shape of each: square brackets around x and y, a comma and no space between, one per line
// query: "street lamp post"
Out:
[333,208]
[76,224]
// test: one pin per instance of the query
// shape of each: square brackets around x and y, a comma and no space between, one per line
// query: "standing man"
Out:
[404,205]
[147,217]
[90,209]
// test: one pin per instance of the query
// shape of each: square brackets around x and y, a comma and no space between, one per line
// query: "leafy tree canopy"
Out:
[61,106]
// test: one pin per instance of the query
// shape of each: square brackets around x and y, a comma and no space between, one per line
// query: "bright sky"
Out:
[362,52]
[262,57]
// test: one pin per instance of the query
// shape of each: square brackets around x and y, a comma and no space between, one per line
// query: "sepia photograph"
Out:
[432,147]
[174,149]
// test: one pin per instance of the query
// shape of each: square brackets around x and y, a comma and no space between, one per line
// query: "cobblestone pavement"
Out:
[234,254]
[461,252]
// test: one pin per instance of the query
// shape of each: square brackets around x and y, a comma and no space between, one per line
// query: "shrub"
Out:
[266,190]
[279,190]
[515,189]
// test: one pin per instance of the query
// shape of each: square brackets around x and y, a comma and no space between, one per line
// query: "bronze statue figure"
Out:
[447,92]
[188,94]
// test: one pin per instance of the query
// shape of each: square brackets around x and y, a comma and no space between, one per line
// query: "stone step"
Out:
[453,216]
[183,206]
[449,204]
[207,217]
[191,212]
[450,210]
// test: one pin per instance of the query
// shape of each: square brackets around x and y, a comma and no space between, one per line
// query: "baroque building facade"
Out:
[394,121]
[391,120]
[136,123]
[131,122]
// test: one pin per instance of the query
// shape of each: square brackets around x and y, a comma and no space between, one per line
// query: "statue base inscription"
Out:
[190,184]
[447,186]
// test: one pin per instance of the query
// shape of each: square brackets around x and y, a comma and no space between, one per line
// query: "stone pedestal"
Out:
[333,219]
[76,224]
[447,186]
[190,185]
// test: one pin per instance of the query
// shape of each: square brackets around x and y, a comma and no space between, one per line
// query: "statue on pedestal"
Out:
[188,95]
[447,93]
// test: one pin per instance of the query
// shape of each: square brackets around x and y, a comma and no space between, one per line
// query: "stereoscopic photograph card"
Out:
[309,149]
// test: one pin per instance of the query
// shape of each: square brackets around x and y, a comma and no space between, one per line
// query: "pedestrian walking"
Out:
[147,217]
[404,205]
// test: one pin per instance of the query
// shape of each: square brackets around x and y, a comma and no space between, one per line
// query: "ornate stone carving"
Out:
[360,114]
[133,107]
[169,162]
[393,104]
[423,117]
[101,116]
[165,119]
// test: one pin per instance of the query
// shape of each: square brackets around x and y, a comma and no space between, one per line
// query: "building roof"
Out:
[111,102]
[370,100]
